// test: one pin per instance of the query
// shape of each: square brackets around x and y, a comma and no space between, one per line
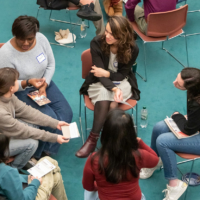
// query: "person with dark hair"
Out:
[111,79]
[114,169]
[30,53]
[139,14]
[12,183]
[18,120]
[165,143]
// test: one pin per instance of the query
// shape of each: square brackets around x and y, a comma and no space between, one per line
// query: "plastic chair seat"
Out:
[73,8]
[187,156]
[88,103]
[52,198]
[146,38]
[126,107]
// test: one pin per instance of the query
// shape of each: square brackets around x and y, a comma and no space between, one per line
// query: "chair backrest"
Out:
[166,23]
[86,59]
[1,44]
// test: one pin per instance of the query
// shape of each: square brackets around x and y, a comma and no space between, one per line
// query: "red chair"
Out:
[161,27]
[86,59]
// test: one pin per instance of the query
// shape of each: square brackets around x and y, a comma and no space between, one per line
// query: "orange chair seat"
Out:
[10,160]
[153,39]
[187,156]
[73,7]
[126,107]
[90,106]
[52,198]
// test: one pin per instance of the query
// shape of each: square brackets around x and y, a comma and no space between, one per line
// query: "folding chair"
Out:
[86,59]
[161,27]
[68,9]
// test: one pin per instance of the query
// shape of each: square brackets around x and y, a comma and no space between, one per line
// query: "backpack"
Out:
[53,4]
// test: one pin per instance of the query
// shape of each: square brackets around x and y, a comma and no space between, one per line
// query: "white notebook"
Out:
[70,131]
[41,169]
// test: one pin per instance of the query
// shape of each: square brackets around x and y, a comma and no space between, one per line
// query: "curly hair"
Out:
[191,77]
[123,32]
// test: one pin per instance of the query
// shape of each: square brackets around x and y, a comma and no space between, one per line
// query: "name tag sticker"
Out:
[41,58]
[115,64]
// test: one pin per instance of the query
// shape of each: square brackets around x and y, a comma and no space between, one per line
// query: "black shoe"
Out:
[87,12]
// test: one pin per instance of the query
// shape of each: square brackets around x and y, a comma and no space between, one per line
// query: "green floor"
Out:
[158,94]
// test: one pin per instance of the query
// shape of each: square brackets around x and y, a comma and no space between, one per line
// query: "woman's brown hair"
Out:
[123,32]
[8,76]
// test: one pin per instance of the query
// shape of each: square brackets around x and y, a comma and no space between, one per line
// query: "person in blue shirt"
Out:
[12,183]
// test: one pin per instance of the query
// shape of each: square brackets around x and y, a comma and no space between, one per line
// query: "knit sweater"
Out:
[12,109]
[36,63]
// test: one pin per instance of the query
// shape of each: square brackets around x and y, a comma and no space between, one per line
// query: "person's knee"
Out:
[113,105]
[32,144]
[158,126]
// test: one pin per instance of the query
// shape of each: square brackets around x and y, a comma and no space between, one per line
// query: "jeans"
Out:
[22,150]
[58,109]
[94,195]
[165,144]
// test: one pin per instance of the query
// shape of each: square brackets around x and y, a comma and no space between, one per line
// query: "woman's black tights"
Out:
[101,110]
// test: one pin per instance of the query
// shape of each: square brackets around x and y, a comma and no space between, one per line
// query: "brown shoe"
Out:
[89,146]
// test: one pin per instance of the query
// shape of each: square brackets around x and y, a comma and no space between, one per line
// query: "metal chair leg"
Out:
[64,45]
[80,120]
[186,50]
[85,123]
[66,22]
[172,55]
[189,178]
[143,78]
[37,13]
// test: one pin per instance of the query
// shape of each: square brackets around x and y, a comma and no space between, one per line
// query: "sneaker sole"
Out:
[91,18]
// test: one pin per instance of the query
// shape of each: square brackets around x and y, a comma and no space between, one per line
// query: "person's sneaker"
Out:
[173,193]
[87,12]
[31,163]
[147,172]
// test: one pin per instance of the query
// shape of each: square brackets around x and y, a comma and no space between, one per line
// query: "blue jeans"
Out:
[58,109]
[165,144]
[94,195]
[23,150]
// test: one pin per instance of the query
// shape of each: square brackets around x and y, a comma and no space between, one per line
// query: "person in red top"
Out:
[113,171]
[139,15]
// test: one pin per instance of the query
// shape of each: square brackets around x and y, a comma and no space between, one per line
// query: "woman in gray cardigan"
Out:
[30,53]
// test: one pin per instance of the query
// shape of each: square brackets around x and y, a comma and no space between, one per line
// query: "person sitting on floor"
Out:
[12,183]
[111,79]
[30,53]
[165,143]
[24,138]
[139,15]
[113,171]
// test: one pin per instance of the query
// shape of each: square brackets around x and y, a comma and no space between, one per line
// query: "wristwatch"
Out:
[27,83]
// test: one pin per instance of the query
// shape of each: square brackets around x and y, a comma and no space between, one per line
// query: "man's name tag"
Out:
[41,58]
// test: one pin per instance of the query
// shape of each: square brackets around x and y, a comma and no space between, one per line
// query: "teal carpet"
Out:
[157,94]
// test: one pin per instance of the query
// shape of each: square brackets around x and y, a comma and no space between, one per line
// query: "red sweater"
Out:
[125,190]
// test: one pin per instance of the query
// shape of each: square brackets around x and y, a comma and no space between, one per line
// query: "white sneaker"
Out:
[147,172]
[173,193]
